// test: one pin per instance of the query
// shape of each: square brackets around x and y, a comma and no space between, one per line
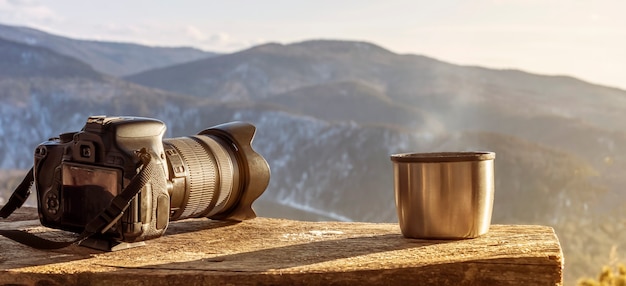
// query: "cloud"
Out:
[28,12]
[23,2]
[194,33]
[223,42]
[123,30]
[217,41]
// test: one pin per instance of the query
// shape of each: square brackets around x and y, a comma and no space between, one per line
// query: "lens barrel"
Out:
[216,173]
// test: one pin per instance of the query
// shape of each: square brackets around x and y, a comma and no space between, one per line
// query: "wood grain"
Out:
[266,251]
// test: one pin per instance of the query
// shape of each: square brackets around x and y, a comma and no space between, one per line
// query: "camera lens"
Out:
[216,173]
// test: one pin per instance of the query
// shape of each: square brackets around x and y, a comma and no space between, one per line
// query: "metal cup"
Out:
[447,195]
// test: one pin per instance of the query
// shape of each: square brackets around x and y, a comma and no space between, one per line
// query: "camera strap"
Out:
[100,224]
[19,196]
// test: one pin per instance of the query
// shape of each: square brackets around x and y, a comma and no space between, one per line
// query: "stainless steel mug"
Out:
[446,195]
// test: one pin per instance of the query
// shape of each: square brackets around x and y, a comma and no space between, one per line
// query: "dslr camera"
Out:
[214,174]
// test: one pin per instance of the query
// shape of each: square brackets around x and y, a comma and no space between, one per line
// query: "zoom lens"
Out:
[216,173]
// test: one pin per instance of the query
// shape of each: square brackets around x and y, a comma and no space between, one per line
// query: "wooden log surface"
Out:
[267,251]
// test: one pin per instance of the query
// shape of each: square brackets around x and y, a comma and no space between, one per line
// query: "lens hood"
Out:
[254,170]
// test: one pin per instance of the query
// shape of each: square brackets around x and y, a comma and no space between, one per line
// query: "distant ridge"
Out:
[19,60]
[334,47]
[118,59]
[270,69]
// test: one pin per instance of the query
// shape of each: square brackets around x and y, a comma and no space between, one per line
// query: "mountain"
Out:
[17,60]
[417,81]
[329,114]
[271,69]
[118,59]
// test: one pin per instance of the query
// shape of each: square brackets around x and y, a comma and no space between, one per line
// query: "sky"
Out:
[581,38]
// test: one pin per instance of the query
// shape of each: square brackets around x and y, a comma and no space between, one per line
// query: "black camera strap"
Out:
[19,196]
[100,224]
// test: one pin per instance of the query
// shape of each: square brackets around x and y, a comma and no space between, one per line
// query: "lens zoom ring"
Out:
[225,172]
[201,182]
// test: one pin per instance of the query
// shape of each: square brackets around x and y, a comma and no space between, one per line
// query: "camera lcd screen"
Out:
[87,191]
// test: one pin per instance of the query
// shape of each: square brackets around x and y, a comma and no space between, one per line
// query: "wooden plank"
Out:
[266,251]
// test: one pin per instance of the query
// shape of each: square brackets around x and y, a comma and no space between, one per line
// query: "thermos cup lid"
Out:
[443,157]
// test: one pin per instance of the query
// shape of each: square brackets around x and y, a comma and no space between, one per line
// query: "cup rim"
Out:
[433,157]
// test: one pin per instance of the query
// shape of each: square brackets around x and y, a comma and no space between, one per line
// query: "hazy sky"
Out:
[582,38]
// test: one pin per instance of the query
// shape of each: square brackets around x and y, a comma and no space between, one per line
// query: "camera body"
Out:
[78,174]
